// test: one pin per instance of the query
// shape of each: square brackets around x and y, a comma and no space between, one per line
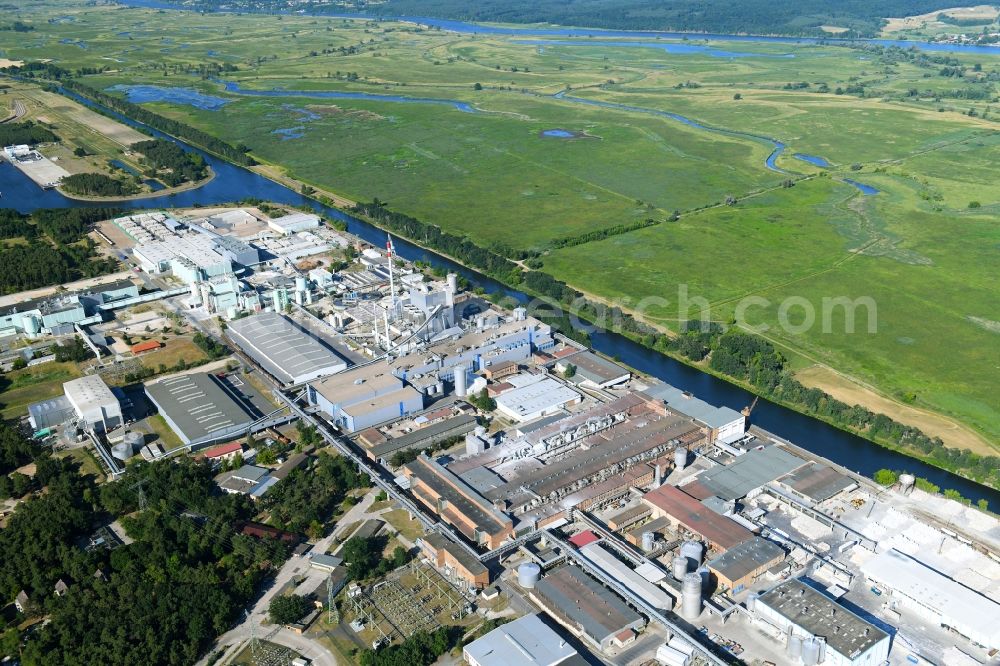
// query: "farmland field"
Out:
[451,129]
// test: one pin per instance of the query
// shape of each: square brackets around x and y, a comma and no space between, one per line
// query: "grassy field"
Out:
[921,128]
[30,385]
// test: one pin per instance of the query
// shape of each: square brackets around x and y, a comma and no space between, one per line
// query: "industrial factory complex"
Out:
[590,513]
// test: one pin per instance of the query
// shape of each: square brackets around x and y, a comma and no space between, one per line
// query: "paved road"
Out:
[17,111]
[237,637]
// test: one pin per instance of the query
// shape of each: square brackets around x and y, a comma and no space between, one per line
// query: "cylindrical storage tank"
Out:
[135,440]
[680,567]
[453,283]
[121,451]
[658,478]
[794,647]
[691,596]
[528,575]
[460,381]
[648,541]
[300,283]
[810,652]
[680,457]
[693,550]
[706,577]
[906,482]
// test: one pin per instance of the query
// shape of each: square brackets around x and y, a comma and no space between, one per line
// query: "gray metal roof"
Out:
[749,471]
[687,404]
[461,555]
[817,482]
[594,368]
[819,615]
[599,612]
[197,405]
[745,558]
[457,425]
[284,349]
[527,641]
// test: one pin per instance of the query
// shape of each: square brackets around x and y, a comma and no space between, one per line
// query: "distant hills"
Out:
[861,18]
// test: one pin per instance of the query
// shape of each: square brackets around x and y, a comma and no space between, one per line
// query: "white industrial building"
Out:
[293,223]
[932,595]
[365,397]
[818,630]
[535,396]
[653,594]
[94,403]
[283,349]
[527,641]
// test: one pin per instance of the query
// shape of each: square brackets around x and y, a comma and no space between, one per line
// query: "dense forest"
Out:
[170,163]
[25,133]
[762,17]
[55,250]
[158,600]
[97,185]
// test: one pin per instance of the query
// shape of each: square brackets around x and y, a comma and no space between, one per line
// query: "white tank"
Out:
[679,567]
[794,647]
[648,541]
[680,457]
[691,596]
[453,283]
[752,601]
[810,652]
[693,550]
[300,283]
[906,482]
[134,439]
[528,575]
[31,325]
[460,381]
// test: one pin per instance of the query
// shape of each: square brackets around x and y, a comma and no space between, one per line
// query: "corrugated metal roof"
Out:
[750,471]
[697,517]
[745,558]
[687,404]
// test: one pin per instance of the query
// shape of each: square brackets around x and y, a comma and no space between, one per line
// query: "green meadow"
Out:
[920,128]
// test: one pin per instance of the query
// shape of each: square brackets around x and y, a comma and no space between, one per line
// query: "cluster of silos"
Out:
[129,446]
[810,650]
[528,575]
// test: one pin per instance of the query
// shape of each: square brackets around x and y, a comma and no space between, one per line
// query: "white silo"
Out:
[679,567]
[658,477]
[691,596]
[906,482]
[693,550]
[460,381]
[810,652]
[680,457]
[528,575]
[452,284]
[794,647]
[520,314]
[648,541]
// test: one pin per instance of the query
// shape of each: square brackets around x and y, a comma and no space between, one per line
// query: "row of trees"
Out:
[27,132]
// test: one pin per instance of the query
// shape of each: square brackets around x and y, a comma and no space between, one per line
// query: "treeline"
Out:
[25,133]
[791,17]
[63,255]
[17,26]
[97,185]
[180,166]
[420,649]
[38,70]
[601,234]
[159,600]
[237,154]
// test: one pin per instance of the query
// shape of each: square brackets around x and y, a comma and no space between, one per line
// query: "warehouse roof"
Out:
[458,425]
[817,482]
[687,404]
[600,371]
[745,558]
[627,576]
[596,610]
[284,349]
[470,563]
[962,608]
[750,471]
[88,393]
[697,517]
[539,395]
[527,641]
[197,405]
[816,613]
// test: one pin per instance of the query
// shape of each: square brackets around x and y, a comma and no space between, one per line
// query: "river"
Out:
[554,31]
[233,183]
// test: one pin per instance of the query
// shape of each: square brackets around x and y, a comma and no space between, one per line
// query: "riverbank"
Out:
[166,192]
